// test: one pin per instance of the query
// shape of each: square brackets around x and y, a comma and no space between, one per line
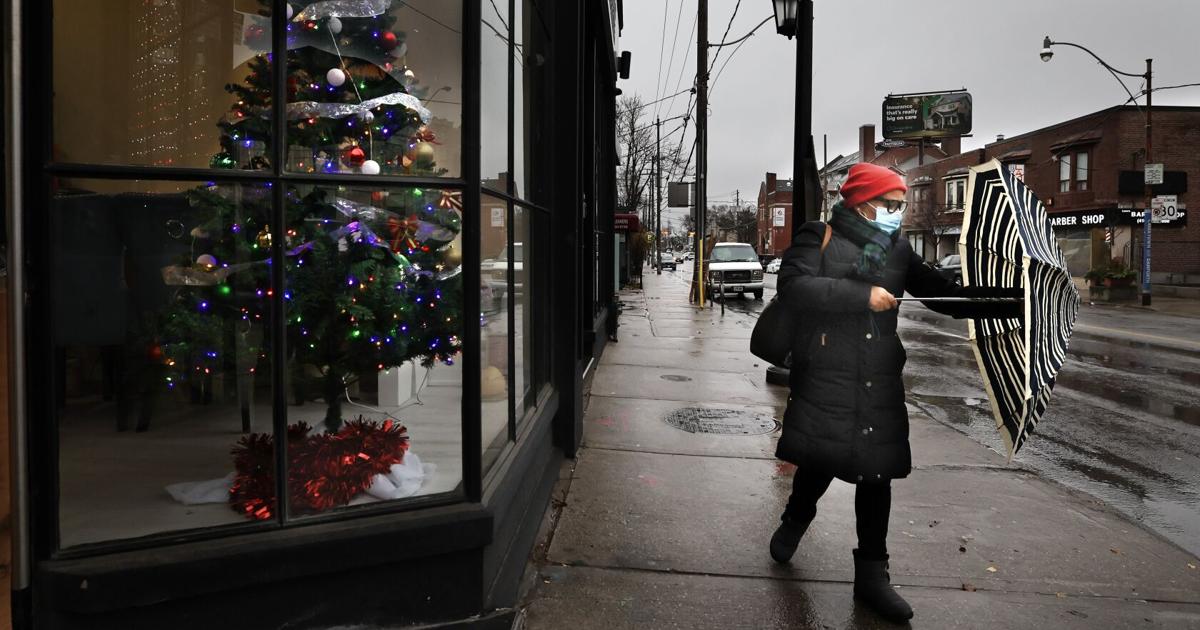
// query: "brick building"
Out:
[775,195]
[1088,173]
[774,216]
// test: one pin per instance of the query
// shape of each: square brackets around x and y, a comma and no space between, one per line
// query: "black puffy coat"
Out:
[846,415]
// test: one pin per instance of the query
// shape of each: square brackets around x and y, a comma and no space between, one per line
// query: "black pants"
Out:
[872,506]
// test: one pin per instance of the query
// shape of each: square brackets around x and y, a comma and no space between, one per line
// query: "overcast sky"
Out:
[864,49]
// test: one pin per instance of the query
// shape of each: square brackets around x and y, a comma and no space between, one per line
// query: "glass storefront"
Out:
[292,274]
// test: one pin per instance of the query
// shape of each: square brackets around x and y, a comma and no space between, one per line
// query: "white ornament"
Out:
[335,25]
[370,167]
[289,11]
[335,77]
[366,116]
[206,260]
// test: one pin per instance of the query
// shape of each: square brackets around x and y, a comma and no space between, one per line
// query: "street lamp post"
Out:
[1147,214]
[794,18]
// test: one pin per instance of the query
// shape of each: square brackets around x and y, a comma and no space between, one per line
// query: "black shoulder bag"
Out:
[775,332]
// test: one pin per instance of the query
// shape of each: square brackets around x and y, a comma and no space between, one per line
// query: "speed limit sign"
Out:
[1164,208]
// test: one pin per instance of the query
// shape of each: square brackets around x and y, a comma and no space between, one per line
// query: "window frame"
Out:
[956,202]
[1082,167]
[42,366]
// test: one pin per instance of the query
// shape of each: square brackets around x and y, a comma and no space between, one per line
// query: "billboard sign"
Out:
[938,115]
[779,217]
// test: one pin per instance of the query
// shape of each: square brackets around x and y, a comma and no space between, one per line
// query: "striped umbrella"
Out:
[1007,241]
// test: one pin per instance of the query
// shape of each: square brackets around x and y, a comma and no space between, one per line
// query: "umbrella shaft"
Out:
[960,299]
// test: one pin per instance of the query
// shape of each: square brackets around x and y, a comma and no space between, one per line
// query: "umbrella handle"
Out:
[992,300]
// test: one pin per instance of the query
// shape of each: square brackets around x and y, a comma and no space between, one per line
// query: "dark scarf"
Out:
[875,243]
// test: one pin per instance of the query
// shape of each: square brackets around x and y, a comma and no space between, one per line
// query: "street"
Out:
[1124,422]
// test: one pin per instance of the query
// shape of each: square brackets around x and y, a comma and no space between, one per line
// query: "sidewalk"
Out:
[657,527]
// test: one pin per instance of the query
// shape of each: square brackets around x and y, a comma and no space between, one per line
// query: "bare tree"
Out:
[734,223]
[635,142]
[929,217]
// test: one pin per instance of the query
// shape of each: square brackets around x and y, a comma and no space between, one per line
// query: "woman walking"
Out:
[846,417]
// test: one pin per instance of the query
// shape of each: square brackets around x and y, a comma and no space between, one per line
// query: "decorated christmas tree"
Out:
[372,276]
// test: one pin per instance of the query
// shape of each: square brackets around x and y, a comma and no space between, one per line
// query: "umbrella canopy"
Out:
[1007,241]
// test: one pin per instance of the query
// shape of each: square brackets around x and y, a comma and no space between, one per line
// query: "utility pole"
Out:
[701,143]
[802,148]
[657,192]
[824,176]
[1148,214]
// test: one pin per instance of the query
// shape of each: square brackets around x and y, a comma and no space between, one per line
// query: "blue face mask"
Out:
[888,222]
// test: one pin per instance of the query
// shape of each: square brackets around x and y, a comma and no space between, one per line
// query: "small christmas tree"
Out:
[372,277]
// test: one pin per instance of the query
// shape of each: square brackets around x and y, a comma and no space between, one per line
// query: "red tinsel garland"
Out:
[325,470]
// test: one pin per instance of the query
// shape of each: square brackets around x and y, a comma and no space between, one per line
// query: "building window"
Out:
[1081,171]
[1064,173]
[955,194]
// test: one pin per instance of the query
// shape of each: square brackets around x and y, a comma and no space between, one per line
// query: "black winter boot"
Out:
[787,538]
[873,586]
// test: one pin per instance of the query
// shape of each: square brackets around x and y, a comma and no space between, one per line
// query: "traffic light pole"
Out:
[701,143]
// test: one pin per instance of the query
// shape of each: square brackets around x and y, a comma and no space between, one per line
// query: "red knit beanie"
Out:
[867,181]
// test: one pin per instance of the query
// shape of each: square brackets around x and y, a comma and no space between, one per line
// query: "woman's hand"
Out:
[881,300]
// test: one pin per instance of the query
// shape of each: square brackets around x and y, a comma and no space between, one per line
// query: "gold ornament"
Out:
[264,238]
[424,152]
[452,256]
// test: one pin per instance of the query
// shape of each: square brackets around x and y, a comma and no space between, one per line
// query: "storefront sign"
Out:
[1082,218]
[1017,171]
[626,223]
[1166,215]
[927,116]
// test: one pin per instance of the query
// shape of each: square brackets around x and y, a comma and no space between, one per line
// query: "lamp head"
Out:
[786,14]
[1046,52]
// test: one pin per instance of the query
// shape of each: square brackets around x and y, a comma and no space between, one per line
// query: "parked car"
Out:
[495,273]
[773,266]
[734,268]
[678,258]
[688,256]
[950,266]
[667,261]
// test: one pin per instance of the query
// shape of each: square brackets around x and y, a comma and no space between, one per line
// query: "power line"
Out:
[661,45]
[674,42]
[728,26]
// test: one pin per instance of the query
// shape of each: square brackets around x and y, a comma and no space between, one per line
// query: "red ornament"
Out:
[388,41]
[354,156]
[379,196]
[293,87]
[154,352]
[254,34]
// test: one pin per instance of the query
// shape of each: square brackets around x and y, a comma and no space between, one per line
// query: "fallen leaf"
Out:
[1191,566]
[991,569]
[1061,595]
[1115,550]
[970,588]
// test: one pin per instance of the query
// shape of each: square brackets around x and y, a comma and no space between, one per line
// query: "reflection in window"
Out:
[531,63]
[374,324]
[158,96]
[160,325]
[375,93]
[494,95]
[496,260]
[522,311]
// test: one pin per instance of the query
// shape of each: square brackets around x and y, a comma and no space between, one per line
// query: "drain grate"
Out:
[678,378]
[721,421]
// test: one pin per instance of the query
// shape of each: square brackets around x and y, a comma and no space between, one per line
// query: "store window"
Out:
[204,335]
[374,95]
[495,299]
[158,96]
[495,98]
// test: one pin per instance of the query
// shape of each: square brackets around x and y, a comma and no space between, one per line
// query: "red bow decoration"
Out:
[403,232]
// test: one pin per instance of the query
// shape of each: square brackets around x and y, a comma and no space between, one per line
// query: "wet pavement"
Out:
[663,519]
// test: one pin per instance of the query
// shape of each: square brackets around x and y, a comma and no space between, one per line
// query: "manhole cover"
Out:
[678,378]
[721,421]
